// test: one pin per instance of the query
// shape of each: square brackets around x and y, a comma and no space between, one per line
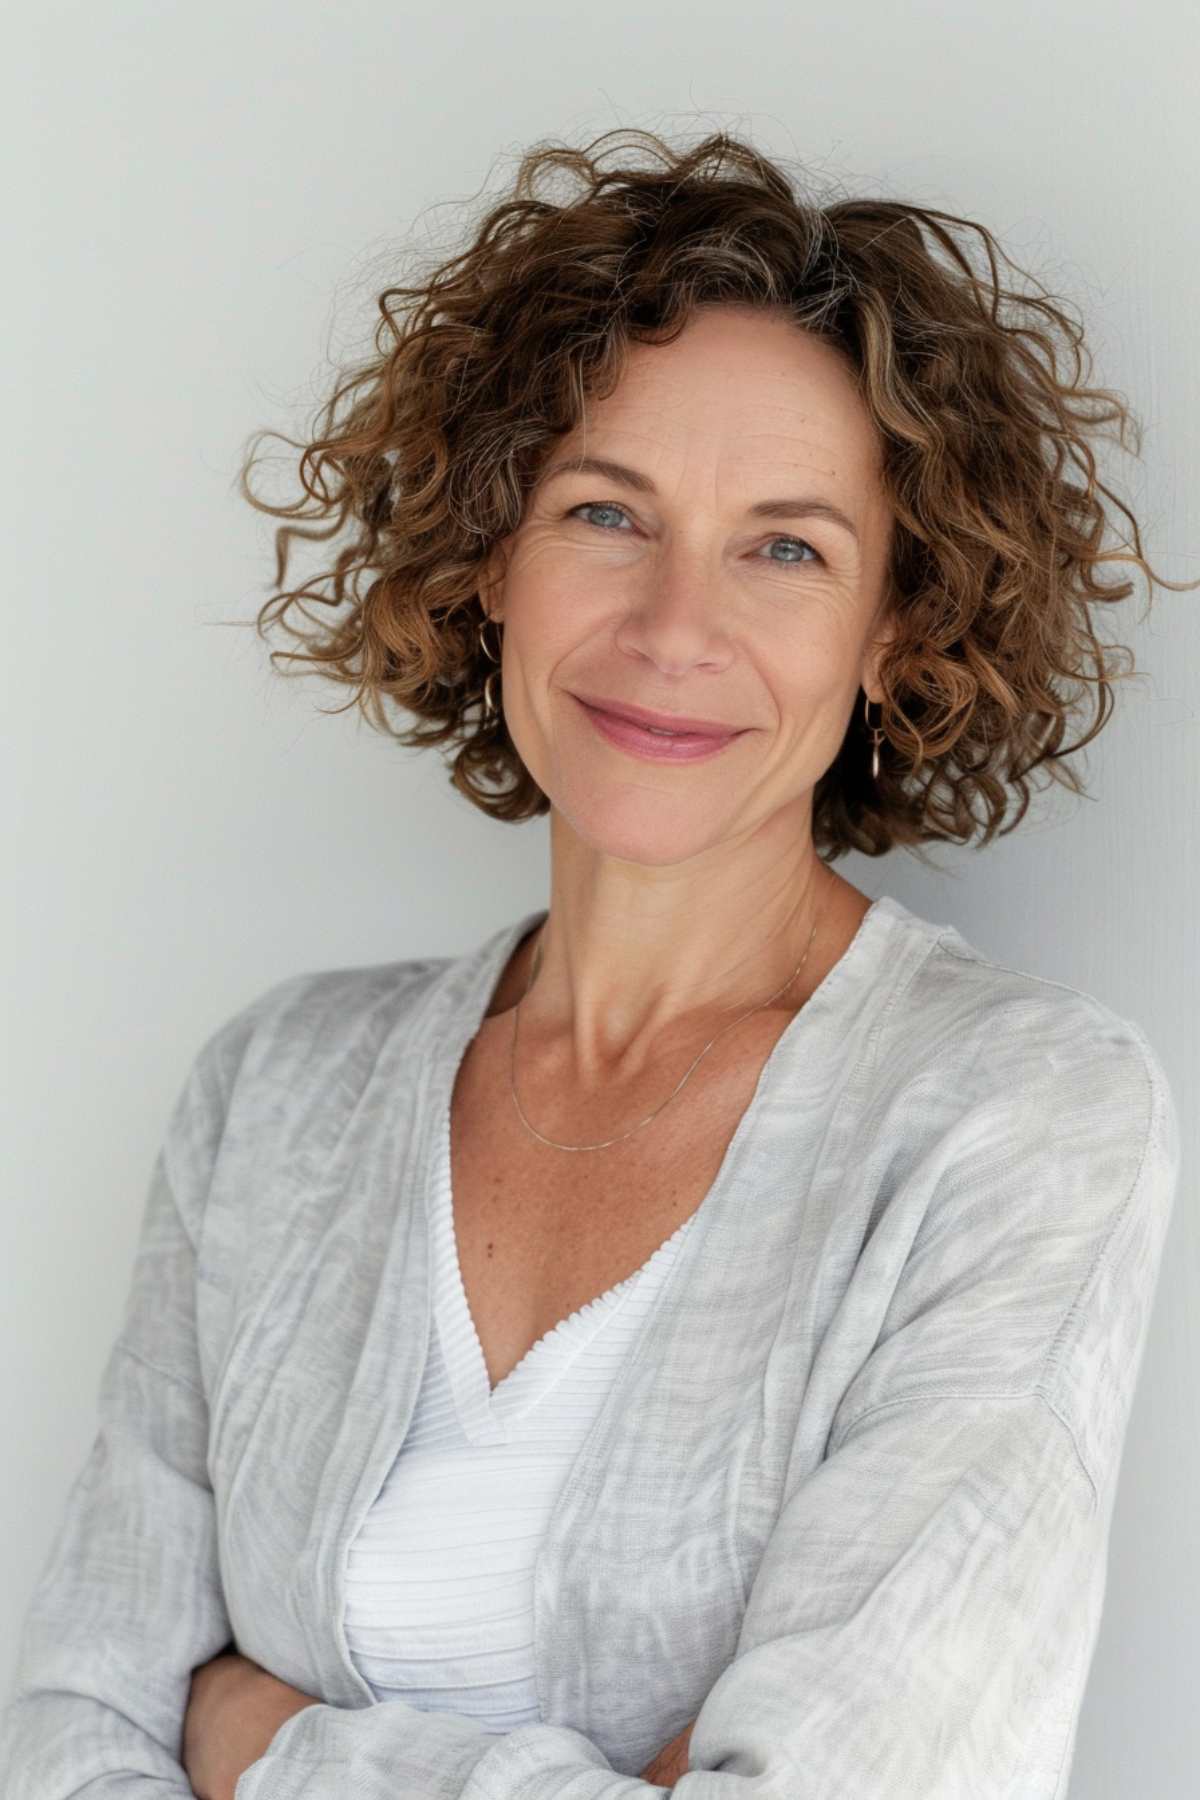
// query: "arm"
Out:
[236,1707]
[671,1761]
[129,1599]
[907,1601]
[234,1710]
[127,1624]
[921,1587]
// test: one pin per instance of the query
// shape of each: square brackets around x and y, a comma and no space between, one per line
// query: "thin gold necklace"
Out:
[512,1071]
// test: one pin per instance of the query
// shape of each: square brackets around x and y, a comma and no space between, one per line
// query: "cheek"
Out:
[529,672]
[553,641]
[816,671]
[808,703]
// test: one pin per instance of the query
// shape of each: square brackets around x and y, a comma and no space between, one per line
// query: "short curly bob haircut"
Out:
[429,449]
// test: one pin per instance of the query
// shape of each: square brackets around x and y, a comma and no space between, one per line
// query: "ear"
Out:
[491,584]
[883,636]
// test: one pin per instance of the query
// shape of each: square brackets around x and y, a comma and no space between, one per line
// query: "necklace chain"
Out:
[536,963]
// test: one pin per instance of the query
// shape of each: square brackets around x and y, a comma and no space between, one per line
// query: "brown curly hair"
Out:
[429,449]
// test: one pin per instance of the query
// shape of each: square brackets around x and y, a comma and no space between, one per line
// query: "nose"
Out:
[677,621]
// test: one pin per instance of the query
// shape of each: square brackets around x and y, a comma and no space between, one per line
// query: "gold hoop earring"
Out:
[490,709]
[876,734]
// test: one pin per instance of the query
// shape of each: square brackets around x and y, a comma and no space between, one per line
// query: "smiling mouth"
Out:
[655,743]
[664,724]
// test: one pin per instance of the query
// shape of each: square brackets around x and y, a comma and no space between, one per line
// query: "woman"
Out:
[688,1340]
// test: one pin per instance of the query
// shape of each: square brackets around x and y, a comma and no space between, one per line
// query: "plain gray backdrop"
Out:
[201,203]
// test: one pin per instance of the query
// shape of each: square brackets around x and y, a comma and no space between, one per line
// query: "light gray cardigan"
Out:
[848,1500]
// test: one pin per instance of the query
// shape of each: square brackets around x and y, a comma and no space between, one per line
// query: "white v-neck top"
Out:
[841,1498]
[439,1578]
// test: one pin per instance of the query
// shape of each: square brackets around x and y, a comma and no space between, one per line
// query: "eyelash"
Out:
[783,538]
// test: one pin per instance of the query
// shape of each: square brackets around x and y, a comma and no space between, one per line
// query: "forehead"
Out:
[736,388]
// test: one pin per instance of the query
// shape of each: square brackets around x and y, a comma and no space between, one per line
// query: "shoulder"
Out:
[314,1020]
[991,1028]
[989,1080]
[268,1075]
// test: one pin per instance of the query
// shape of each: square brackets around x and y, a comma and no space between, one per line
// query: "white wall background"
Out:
[198,200]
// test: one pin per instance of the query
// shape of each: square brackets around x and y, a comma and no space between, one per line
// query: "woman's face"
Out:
[670,591]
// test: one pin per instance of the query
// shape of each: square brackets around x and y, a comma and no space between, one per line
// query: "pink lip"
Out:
[645,715]
[626,735]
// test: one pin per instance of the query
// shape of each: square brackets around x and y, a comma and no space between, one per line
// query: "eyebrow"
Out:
[795,507]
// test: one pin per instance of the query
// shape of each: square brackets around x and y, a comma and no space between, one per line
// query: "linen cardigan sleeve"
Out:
[925,1614]
[129,1599]
[941,1569]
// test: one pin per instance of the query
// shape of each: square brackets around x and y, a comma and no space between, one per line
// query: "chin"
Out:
[647,834]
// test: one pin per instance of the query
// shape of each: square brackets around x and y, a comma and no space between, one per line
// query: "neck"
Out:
[605,992]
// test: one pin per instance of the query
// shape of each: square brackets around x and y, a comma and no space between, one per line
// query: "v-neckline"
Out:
[487,1412]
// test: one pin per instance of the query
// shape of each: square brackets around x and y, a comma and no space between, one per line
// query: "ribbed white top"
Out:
[439,1578]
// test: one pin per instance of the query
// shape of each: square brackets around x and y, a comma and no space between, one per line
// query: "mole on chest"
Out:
[531,1252]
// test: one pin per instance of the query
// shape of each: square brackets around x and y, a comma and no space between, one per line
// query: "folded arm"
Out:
[924,1611]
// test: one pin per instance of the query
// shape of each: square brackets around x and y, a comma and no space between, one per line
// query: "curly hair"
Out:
[429,448]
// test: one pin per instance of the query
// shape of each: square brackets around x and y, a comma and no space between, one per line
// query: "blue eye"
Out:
[597,506]
[611,506]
